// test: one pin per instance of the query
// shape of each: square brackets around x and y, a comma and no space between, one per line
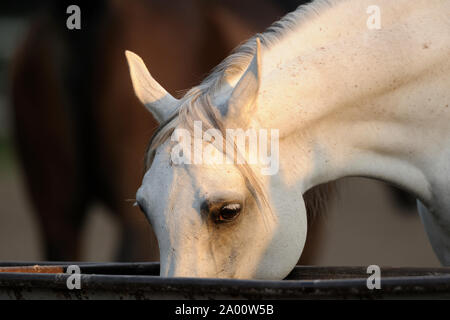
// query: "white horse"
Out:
[349,99]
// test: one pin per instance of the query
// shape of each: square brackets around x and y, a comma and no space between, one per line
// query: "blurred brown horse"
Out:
[79,128]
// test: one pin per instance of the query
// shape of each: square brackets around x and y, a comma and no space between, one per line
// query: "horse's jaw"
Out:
[269,254]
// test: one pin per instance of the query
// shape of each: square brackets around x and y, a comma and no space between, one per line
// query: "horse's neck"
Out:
[353,101]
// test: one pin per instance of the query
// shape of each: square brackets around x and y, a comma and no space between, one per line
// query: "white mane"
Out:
[196,104]
[238,61]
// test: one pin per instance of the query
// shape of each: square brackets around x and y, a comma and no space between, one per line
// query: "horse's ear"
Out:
[155,98]
[241,103]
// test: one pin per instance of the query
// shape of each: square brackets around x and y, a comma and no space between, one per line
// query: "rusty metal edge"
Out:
[350,283]
[299,272]
[428,286]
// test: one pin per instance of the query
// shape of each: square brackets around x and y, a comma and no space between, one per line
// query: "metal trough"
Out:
[141,281]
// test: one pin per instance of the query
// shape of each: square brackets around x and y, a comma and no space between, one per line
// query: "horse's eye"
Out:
[228,212]
[221,211]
